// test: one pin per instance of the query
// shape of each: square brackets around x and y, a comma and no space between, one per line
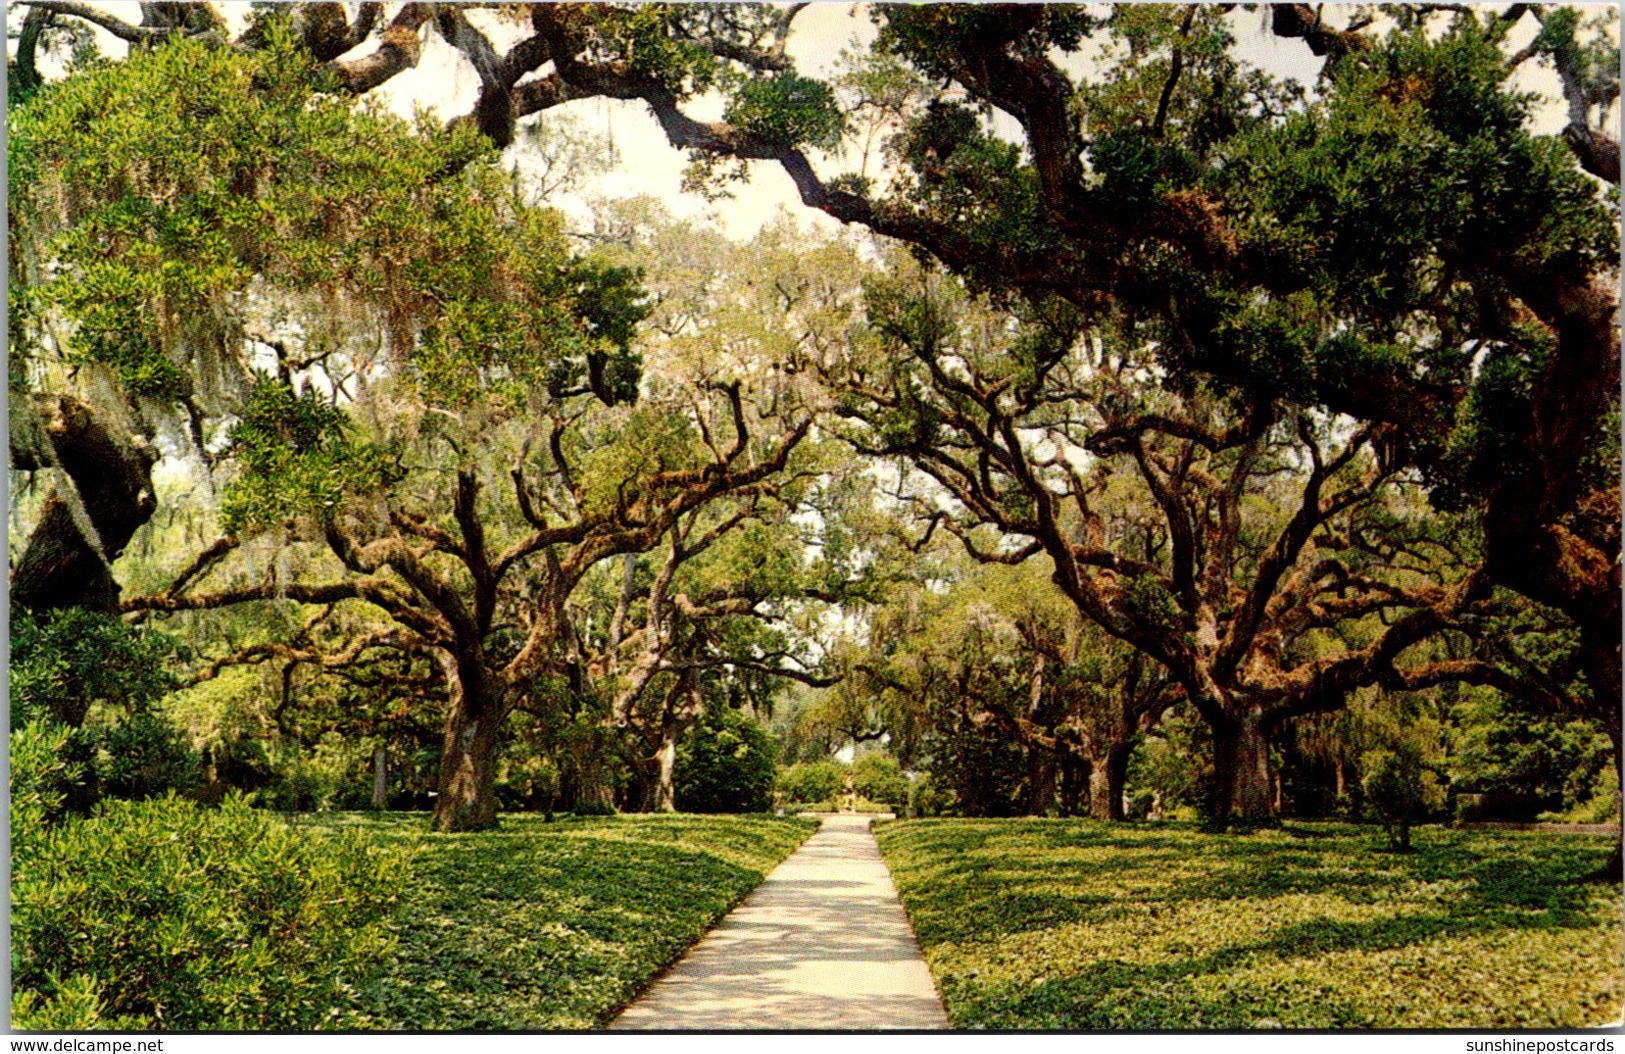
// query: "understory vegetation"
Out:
[557,925]
[1069,924]
[158,916]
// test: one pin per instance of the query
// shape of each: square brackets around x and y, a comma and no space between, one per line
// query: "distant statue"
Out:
[849,800]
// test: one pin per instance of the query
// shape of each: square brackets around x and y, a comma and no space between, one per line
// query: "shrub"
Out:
[329,775]
[50,767]
[879,778]
[164,915]
[725,764]
[1400,791]
[144,756]
[64,661]
[812,781]
[44,773]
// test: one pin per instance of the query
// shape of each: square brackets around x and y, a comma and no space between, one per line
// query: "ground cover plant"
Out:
[1063,924]
[541,925]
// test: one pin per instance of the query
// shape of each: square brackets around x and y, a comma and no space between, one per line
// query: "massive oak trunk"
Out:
[1241,771]
[1108,773]
[466,798]
[81,532]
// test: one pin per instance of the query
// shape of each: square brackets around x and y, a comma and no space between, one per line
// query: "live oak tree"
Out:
[1270,562]
[1244,234]
[1040,679]
[417,288]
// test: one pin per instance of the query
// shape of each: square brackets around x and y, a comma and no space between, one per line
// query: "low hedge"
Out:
[162,914]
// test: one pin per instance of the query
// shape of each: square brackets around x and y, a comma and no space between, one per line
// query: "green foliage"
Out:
[46,770]
[812,781]
[1482,193]
[65,661]
[144,756]
[161,186]
[297,460]
[546,926]
[329,775]
[1506,747]
[725,764]
[1400,790]
[1064,924]
[162,915]
[879,778]
[788,110]
[63,664]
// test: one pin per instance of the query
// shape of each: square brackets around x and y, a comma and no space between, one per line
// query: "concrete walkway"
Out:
[821,944]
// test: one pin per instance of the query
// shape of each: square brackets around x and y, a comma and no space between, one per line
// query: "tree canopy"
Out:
[1275,395]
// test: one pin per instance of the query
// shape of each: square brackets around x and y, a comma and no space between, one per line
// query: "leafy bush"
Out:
[327,776]
[1400,791]
[812,781]
[879,778]
[65,661]
[163,915]
[1601,807]
[144,756]
[44,772]
[725,764]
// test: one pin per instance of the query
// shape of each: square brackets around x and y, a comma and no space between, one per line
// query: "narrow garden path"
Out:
[821,944]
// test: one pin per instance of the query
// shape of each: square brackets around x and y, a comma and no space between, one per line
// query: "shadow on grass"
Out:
[541,925]
[976,889]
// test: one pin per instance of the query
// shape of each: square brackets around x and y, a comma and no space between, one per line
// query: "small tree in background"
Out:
[725,765]
[1401,791]
[812,781]
[879,778]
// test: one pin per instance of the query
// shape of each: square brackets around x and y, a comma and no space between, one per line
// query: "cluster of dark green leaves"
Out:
[72,664]
[297,459]
[64,662]
[1317,208]
[1508,747]
[789,110]
[163,915]
[725,764]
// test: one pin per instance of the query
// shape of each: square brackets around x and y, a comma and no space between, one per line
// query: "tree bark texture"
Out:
[1108,774]
[80,533]
[1241,772]
[467,798]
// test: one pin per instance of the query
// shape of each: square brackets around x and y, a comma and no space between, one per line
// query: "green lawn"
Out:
[555,925]
[1064,924]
